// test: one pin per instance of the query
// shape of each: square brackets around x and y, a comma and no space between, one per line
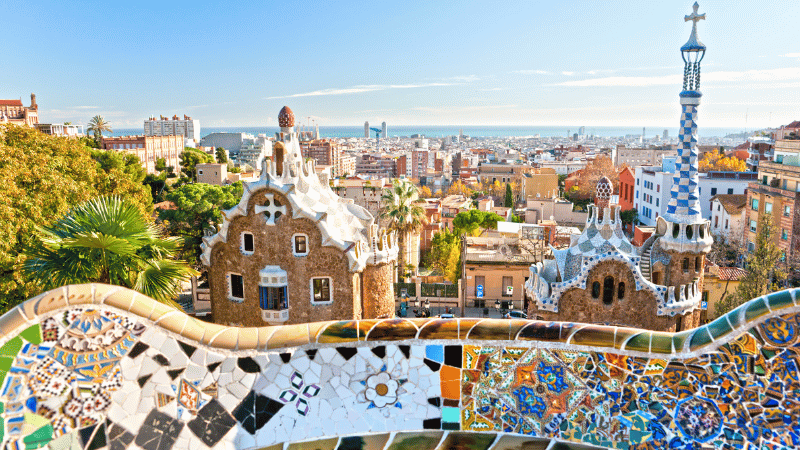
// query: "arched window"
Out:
[689,231]
[697,262]
[621,290]
[608,290]
[596,289]
[685,264]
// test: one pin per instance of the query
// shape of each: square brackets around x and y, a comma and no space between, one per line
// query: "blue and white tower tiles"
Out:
[684,203]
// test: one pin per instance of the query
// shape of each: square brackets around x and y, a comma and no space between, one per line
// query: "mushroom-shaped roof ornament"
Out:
[605,188]
[286,117]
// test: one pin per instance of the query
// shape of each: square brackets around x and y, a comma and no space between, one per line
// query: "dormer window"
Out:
[300,244]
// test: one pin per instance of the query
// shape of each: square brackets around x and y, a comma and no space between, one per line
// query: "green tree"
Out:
[98,125]
[107,240]
[400,207]
[445,255]
[161,164]
[763,269]
[629,216]
[222,157]
[472,222]
[44,176]
[198,207]
[190,157]
[508,202]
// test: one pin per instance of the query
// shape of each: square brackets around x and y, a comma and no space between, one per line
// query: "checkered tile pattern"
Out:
[685,201]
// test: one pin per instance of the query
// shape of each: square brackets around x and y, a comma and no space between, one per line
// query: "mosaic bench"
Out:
[97,366]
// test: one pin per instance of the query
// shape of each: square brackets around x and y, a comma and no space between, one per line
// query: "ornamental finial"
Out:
[694,17]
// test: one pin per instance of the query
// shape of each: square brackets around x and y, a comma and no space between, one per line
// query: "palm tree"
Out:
[400,207]
[98,125]
[107,240]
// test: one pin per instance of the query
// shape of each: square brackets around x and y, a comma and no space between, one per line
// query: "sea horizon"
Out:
[483,131]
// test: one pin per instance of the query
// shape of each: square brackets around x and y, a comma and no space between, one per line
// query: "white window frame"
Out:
[311,290]
[241,243]
[294,246]
[230,287]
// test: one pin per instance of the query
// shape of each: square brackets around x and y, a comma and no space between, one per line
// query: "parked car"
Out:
[514,314]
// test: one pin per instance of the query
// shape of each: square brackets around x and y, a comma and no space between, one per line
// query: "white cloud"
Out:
[791,55]
[624,81]
[531,72]
[492,89]
[762,75]
[461,109]
[569,74]
[362,88]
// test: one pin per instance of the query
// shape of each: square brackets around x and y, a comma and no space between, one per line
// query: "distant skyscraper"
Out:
[383,130]
[644,133]
[582,131]
[666,134]
[366,129]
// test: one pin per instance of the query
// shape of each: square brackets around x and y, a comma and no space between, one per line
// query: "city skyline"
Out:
[423,64]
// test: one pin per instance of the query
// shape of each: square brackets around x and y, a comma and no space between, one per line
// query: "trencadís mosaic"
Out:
[95,366]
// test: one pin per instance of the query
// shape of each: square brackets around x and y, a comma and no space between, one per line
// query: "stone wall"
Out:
[635,309]
[273,246]
[97,366]
[378,291]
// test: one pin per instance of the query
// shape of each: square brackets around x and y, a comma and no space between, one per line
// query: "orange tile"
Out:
[451,389]
[448,373]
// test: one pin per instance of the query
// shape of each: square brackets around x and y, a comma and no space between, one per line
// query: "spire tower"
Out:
[684,204]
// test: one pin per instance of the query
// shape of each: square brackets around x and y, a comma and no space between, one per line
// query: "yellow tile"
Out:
[248,339]
[227,338]
[289,336]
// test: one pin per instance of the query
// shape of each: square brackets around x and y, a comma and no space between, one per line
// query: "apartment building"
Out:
[149,149]
[777,192]
[642,156]
[187,127]
[727,215]
[653,186]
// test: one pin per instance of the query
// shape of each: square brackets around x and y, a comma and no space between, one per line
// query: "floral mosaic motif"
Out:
[301,392]
[381,390]
[699,418]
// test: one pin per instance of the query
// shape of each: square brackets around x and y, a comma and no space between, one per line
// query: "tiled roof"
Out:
[733,203]
[731,273]
[795,124]
[10,102]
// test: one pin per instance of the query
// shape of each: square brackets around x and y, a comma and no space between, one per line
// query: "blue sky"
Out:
[408,63]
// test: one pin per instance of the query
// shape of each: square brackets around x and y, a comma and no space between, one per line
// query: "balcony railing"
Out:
[275,316]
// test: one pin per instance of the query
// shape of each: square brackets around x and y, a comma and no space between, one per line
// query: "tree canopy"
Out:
[199,206]
[763,268]
[508,201]
[445,255]
[473,221]
[97,125]
[106,240]
[221,155]
[716,161]
[190,157]
[44,176]
[595,169]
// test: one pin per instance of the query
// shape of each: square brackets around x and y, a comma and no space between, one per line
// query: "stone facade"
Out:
[273,246]
[292,251]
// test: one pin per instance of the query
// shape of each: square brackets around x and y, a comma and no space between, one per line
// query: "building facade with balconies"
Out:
[776,193]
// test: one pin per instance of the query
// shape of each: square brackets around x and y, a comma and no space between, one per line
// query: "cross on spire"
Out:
[694,17]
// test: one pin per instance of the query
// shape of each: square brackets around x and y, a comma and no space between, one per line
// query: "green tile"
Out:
[639,343]
[755,309]
[661,343]
[679,340]
[5,363]
[11,348]
[700,338]
[719,327]
[32,335]
[39,438]
[779,300]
